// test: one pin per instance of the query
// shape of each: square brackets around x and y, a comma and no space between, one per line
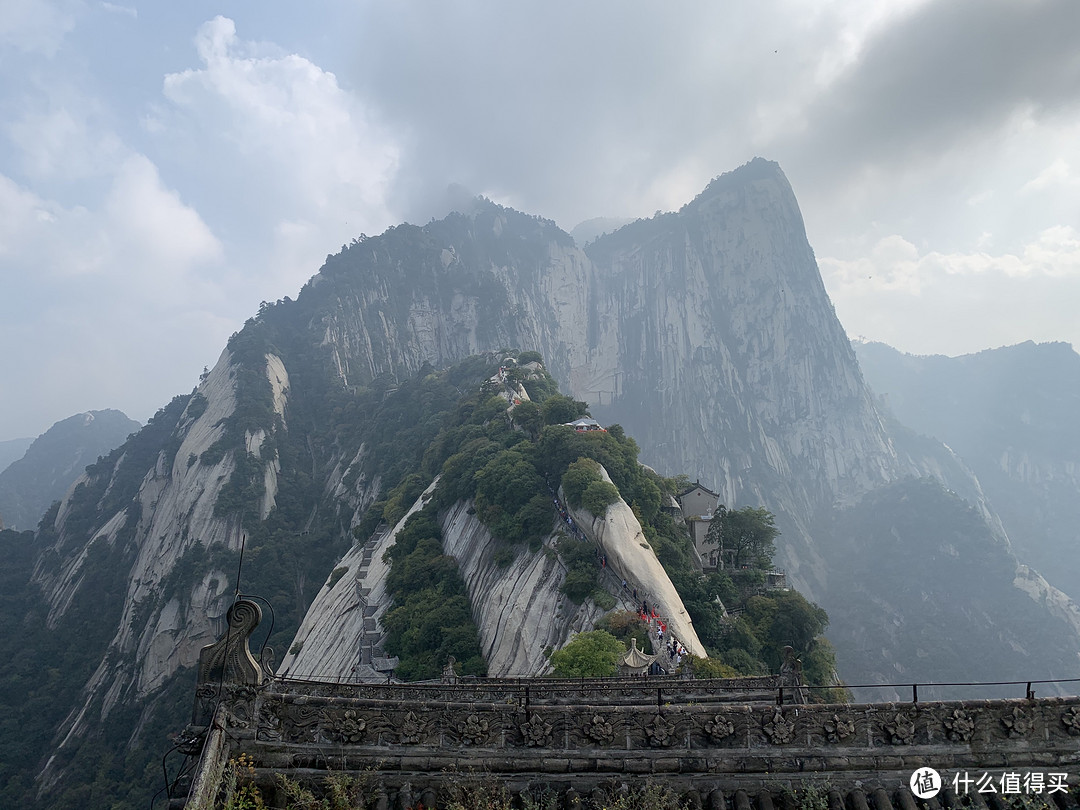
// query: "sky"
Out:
[165,167]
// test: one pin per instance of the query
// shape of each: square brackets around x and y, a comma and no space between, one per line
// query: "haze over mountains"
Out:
[706,333]
[1011,415]
[12,450]
[41,474]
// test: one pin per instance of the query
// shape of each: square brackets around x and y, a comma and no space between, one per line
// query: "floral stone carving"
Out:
[1017,723]
[959,725]
[660,732]
[778,728]
[475,730]
[599,730]
[536,732]
[1071,720]
[348,727]
[899,729]
[837,728]
[411,729]
[719,728]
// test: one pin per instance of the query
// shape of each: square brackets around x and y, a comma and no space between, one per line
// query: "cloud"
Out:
[954,303]
[38,26]
[285,125]
[126,269]
[1057,173]
[107,305]
[62,139]
[572,109]
[945,73]
[937,122]
[893,265]
[126,11]
[156,237]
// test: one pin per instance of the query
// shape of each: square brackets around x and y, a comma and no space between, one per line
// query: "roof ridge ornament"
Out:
[229,659]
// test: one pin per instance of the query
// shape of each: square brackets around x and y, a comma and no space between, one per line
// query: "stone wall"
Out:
[585,736]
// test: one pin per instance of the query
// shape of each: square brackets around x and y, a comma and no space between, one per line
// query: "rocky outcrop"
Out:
[349,605]
[631,557]
[171,517]
[518,607]
[1057,603]
[519,610]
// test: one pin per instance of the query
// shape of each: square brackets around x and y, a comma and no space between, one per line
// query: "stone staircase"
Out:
[372,659]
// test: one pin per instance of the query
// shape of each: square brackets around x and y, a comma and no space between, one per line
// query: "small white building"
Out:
[698,504]
[585,425]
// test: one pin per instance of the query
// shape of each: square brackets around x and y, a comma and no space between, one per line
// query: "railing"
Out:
[643,689]
[1028,686]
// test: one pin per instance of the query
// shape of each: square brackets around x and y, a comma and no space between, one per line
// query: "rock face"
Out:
[631,557]
[346,611]
[706,333]
[164,525]
[716,317]
[519,608]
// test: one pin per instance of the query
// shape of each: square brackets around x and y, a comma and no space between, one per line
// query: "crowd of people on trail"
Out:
[569,521]
[673,649]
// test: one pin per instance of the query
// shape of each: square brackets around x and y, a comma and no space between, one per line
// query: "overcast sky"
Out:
[164,167]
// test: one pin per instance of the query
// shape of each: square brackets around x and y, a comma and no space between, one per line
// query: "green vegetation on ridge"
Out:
[483,452]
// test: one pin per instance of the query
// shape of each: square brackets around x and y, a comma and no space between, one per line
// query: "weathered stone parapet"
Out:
[703,738]
[574,691]
[213,760]
[282,728]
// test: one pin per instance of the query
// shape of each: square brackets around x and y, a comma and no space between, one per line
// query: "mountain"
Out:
[705,333]
[54,460]
[12,450]
[590,229]
[1010,414]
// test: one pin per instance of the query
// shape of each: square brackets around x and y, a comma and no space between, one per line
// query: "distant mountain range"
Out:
[49,464]
[1012,415]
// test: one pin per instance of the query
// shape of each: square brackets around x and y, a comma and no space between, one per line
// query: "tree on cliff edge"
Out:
[745,534]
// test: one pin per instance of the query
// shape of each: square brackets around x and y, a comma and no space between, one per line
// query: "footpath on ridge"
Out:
[669,648]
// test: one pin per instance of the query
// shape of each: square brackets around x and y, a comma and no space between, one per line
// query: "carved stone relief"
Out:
[838,728]
[598,730]
[899,729]
[476,730]
[959,725]
[778,728]
[347,727]
[719,727]
[1018,723]
[536,732]
[660,732]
